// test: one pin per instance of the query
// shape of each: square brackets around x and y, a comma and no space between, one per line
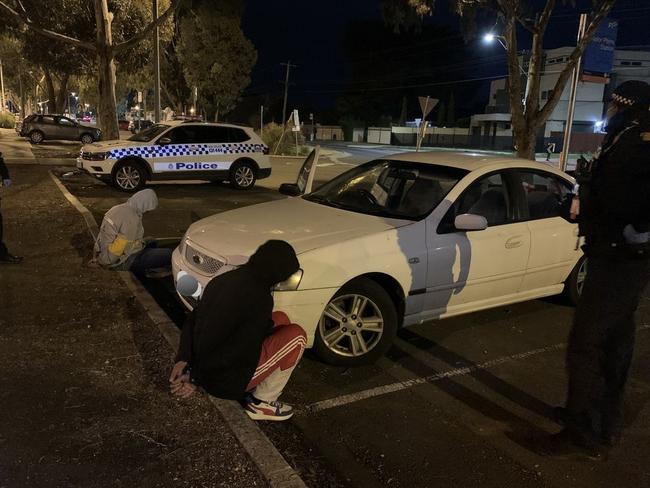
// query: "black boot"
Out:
[569,444]
[10,259]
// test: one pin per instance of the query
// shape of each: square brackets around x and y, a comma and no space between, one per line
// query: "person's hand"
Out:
[6,182]
[177,373]
[185,390]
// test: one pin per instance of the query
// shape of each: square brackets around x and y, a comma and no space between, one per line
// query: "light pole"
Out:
[156,58]
[2,90]
[489,38]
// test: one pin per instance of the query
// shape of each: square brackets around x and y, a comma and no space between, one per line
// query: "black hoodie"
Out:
[222,337]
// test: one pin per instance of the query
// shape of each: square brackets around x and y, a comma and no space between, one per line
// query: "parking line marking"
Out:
[406,384]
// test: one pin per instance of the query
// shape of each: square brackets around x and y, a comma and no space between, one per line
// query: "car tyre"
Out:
[36,137]
[129,176]
[339,342]
[87,139]
[243,175]
[574,283]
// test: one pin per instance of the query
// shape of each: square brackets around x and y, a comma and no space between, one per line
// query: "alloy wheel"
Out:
[351,325]
[244,176]
[128,177]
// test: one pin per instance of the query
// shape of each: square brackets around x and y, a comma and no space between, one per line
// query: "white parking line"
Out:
[403,385]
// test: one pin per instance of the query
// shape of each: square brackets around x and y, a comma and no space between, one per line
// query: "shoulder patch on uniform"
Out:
[645,136]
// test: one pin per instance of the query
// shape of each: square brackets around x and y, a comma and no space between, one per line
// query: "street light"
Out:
[488,38]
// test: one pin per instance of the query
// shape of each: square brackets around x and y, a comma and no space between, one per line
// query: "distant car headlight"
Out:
[291,283]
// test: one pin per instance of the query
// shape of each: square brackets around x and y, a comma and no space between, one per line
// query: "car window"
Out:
[237,135]
[216,135]
[397,189]
[46,120]
[65,122]
[186,134]
[546,194]
[488,197]
[207,134]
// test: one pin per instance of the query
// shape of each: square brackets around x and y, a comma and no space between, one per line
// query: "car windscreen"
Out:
[150,133]
[394,189]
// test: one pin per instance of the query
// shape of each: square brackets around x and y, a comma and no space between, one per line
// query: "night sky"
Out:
[311,34]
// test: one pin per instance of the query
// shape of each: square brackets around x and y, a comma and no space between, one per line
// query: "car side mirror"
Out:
[470,222]
[289,189]
[163,141]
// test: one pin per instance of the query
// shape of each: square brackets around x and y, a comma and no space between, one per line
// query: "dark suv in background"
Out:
[41,127]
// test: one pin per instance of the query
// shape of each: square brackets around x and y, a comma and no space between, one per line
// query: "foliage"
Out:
[272,134]
[216,56]
[7,121]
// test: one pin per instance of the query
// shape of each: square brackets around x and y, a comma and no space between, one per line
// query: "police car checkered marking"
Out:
[186,150]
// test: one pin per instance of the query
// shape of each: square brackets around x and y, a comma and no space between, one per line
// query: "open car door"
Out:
[305,181]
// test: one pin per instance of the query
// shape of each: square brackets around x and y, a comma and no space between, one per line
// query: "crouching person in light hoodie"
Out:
[121,245]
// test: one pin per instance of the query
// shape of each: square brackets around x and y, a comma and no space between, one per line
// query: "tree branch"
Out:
[45,32]
[173,7]
[545,16]
[514,77]
[595,21]
[535,63]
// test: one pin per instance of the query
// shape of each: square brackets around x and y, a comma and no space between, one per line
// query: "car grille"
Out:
[201,262]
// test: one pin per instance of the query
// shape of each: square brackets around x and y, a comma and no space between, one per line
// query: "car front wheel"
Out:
[129,176]
[243,175]
[87,139]
[575,282]
[36,137]
[357,326]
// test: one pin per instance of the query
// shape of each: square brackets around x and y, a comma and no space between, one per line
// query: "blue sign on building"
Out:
[599,55]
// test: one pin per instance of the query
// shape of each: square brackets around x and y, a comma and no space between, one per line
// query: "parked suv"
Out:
[41,127]
[179,151]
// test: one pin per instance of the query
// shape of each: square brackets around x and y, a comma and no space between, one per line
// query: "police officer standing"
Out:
[5,180]
[613,212]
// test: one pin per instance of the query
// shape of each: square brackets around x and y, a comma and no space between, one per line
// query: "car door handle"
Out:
[514,242]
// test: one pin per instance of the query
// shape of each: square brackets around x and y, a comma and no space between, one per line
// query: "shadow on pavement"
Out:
[476,401]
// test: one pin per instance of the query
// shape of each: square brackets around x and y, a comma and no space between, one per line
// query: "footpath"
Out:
[83,390]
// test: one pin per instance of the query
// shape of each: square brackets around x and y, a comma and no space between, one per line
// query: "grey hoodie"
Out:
[120,235]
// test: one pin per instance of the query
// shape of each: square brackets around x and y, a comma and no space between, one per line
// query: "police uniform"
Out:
[613,217]
[5,256]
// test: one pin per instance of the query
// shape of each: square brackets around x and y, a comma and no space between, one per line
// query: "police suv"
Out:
[179,150]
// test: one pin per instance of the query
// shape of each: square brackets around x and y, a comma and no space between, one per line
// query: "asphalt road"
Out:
[458,402]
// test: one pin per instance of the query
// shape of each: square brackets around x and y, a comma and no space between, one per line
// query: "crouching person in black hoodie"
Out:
[233,345]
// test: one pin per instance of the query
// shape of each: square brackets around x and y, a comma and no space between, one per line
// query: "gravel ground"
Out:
[84,386]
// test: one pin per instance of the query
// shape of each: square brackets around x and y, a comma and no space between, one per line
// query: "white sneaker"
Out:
[261,410]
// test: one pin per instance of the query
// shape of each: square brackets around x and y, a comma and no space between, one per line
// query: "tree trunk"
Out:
[525,141]
[51,93]
[107,109]
[62,98]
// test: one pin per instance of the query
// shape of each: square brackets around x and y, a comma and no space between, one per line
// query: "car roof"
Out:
[174,123]
[474,161]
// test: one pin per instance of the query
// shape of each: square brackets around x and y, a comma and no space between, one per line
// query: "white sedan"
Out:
[403,240]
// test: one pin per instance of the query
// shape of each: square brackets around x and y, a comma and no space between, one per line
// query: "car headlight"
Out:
[291,283]
[98,156]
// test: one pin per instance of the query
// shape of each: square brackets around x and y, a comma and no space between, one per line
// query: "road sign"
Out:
[139,97]
[599,54]
[296,119]
[427,105]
